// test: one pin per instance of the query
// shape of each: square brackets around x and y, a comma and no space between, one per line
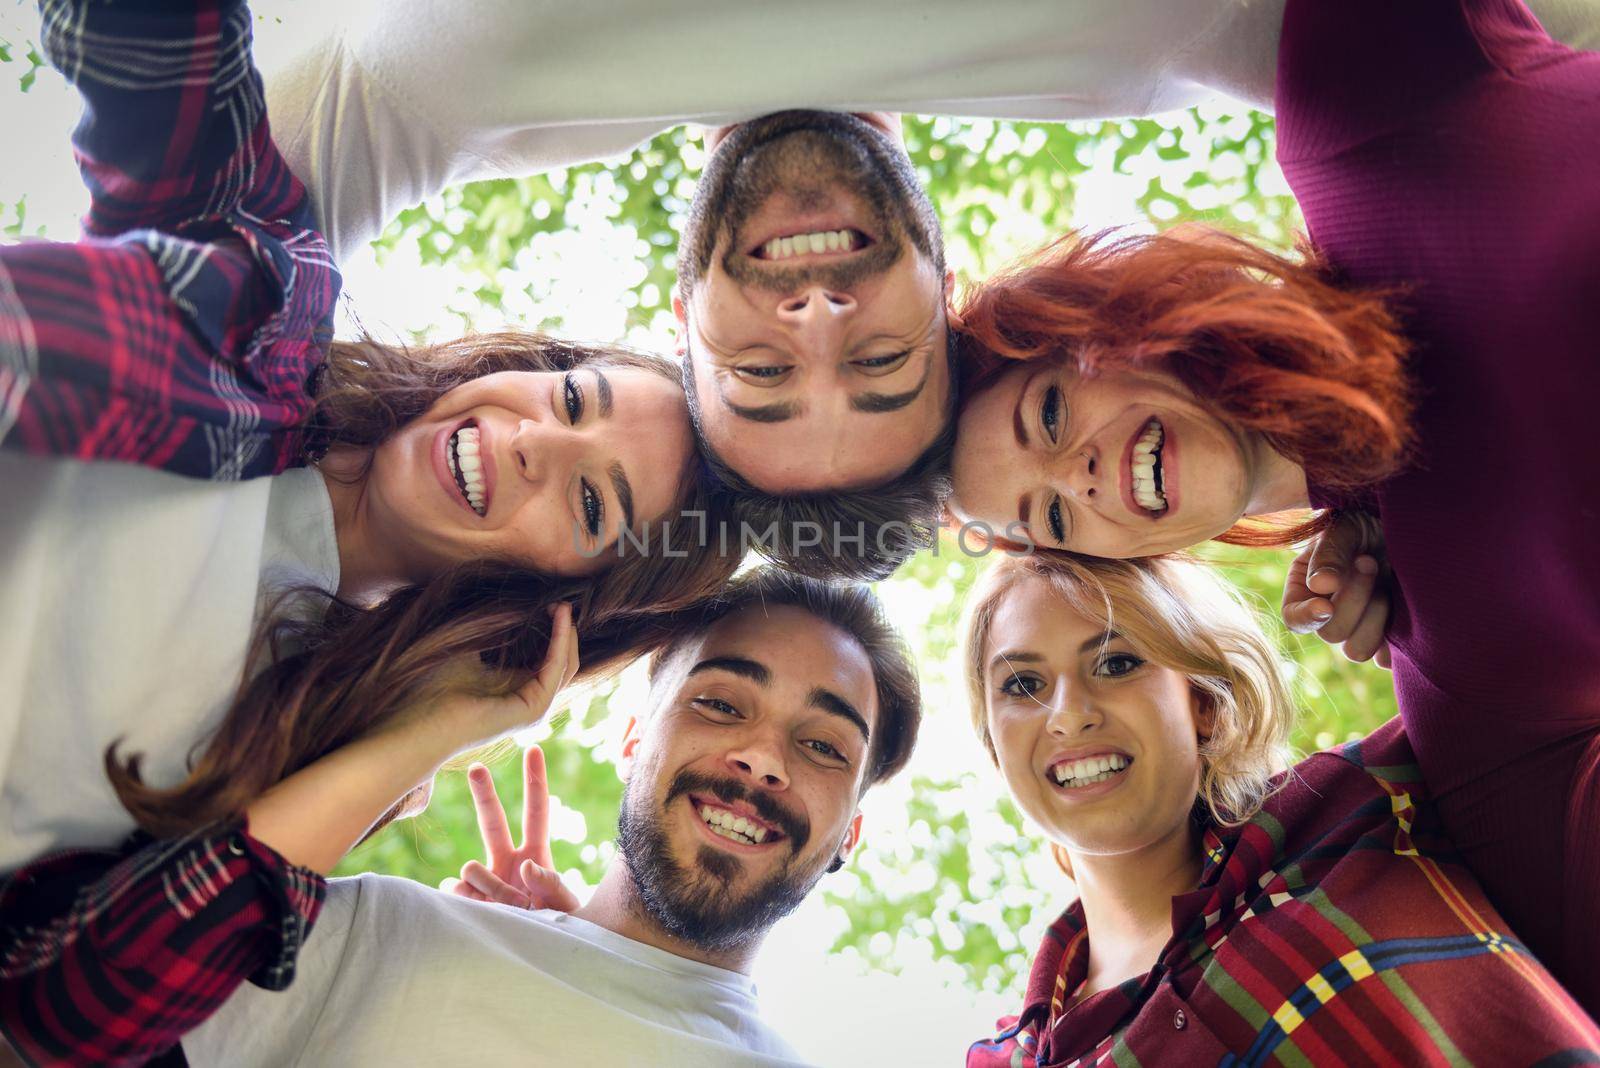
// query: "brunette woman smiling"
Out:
[198,640]
[1176,388]
[1231,910]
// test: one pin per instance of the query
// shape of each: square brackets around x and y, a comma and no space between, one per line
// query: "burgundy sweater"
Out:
[1451,148]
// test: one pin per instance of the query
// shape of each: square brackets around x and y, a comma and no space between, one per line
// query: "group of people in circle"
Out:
[261,583]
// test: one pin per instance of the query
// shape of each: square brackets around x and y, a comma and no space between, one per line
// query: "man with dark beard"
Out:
[767,721]
[817,356]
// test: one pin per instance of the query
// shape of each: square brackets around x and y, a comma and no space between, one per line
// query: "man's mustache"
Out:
[794,826]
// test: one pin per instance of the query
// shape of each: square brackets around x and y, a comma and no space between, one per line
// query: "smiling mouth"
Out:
[817,243]
[1087,771]
[466,467]
[726,823]
[1149,479]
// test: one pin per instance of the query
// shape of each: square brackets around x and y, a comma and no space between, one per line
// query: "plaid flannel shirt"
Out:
[1336,927]
[182,332]
[184,329]
[110,957]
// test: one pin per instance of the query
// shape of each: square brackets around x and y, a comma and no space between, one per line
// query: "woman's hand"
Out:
[470,716]
[1338,586]
[315,815]
[524,875]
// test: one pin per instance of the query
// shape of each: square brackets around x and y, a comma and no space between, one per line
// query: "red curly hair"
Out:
[1270,342]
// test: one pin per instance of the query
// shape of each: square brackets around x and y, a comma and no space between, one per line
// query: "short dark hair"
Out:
[885,523]
[852,608]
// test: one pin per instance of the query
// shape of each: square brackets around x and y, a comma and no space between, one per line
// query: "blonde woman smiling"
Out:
[1232,909]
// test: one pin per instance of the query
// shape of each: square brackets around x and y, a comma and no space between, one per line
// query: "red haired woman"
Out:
[1132,395]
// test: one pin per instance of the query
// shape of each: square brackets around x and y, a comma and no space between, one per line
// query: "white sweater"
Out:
[409,96]
[396,973]
[128,598]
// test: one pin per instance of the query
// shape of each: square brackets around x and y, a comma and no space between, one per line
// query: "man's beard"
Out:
[697,904]
[806,155]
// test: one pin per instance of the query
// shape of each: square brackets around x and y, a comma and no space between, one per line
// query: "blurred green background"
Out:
[948,871]
[1000,188]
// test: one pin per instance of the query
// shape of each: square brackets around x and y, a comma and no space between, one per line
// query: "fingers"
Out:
[1333,553]
[460,889]
[560,664]
[546,890]
[1356,593]
[1367,637]
[1382,658]
[1303,610]
[492,824]
[492,887]
[535,807]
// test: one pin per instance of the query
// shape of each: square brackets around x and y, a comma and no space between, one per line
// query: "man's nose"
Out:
[757,760]
[818,316]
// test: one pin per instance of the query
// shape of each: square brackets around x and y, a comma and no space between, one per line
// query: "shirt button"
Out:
[236,845]
[1179,1020]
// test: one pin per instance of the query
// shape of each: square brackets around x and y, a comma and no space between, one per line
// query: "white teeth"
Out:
[732,827]
[1088,770]
[466,464]
[804,244]
[1145,466]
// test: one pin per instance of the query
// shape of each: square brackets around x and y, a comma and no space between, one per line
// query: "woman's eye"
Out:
[1050,414]
[1021,686]
[716,705]
[1116,665]
[573,397]
[593,508]
[882,364]
[1052,515]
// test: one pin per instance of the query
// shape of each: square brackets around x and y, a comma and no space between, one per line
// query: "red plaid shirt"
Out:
[1336,927]
[185,327]
[182,332]
[110,957]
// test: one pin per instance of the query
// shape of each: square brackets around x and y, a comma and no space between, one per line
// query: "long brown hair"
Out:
[316,681]
[1272,342]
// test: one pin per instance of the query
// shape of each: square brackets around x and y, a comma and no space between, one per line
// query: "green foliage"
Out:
[959,870]
[26,55]
[982,176]
[965,875]
[17,225]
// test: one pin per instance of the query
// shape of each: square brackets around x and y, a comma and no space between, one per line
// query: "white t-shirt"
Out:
[396,973]
[128,598]
[405,97]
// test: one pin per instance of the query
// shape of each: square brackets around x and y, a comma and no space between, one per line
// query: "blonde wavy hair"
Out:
[1180,613]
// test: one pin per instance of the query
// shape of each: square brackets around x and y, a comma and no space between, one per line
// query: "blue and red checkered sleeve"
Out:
[111,957]
[185,328]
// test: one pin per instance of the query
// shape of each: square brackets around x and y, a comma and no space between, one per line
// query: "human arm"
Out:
[148,944]
[184,330]
[521,875]
[145,943]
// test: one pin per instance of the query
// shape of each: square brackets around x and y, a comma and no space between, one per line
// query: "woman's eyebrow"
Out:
[607,398]
[624,489]
[1015,656]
